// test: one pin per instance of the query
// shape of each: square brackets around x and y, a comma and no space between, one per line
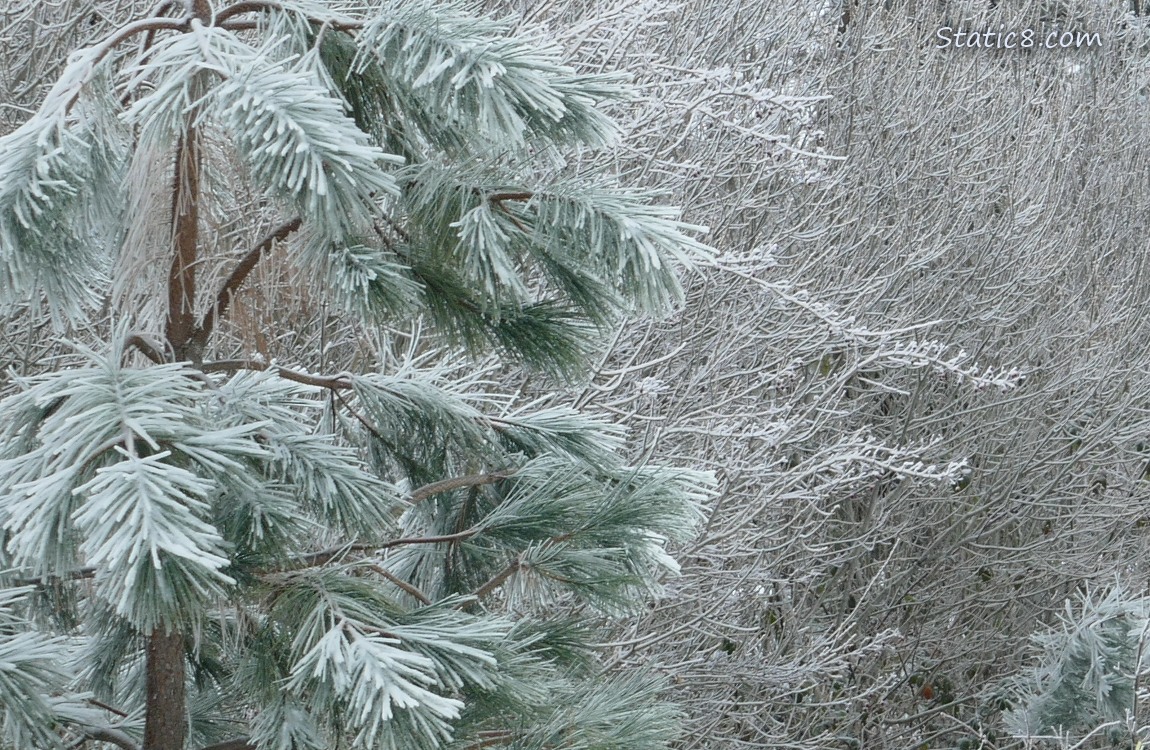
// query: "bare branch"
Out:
[333,382]
[487,739]
[112,735]
[76,575]
[458,483]
[322,557]
[240,743]
[441,539]
[106,707]
[359,417]
[402,584]
[522,195]
[232,365]
[236,279]
[257,6]
[498,579]
[147,25]
[250,6]
[146,346]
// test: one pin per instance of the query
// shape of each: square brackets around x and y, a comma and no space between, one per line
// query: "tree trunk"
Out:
[165,722]
[165,712]
[185,245]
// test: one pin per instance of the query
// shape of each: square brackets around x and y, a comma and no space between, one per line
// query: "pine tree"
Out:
[207,547]
[1086,681]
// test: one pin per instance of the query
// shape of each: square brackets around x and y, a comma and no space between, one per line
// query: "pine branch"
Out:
[549,430]
[236,278]
[145,346]
[458,483]
[322,557]
[450,67]
[111,735]
[240,743]
[332,382]
[110,709]
[75,575]
[498,579]
[230,366]
[488,739]
[246,7]
[259,6]
[402,584]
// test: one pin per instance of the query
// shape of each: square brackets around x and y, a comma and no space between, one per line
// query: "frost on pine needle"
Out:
[281,494]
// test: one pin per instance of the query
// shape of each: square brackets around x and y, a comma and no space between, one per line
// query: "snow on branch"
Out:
[467,69]
[294,135]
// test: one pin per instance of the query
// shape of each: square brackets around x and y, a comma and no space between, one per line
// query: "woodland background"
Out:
[920,366]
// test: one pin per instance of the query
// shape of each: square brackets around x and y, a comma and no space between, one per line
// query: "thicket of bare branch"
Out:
[921,370]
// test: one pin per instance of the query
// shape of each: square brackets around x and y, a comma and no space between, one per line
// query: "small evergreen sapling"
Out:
[205,548]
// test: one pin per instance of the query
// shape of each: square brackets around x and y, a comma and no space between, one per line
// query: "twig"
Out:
[146,347]
[498,737]
[236,279]
[412,590]
[458,483]
[106,707]
[256,6]
[522,195]
[75,575]
[324,556]
[498,198]
[232,365]
[246,7]
[444,538]
[497,580]
[360,418]
[239,743]
[334,382]
[109,734]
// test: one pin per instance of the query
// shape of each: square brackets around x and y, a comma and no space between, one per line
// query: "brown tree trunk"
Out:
[165,711]
[165,717]
[185,241]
